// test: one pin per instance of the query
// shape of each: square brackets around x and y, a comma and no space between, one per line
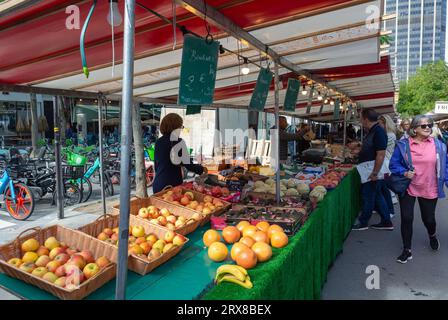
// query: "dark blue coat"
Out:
[168,173]
[398,165]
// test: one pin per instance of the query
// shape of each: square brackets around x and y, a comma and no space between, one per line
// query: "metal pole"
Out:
[100,137]
[57,153]
[126,140]
[345,133]
[277,126]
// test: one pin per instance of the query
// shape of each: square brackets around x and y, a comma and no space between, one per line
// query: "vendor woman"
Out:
[171,155]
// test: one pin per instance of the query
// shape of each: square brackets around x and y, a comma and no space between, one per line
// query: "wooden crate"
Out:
[137,203]
[199,197]
[73,239]
[139,264]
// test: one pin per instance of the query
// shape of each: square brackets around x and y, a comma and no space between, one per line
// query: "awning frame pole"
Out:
[345,132]
[58,160]
[277,127]
[100,138]
[126,140]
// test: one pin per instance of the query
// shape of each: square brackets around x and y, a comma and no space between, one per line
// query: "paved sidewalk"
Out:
[423,277]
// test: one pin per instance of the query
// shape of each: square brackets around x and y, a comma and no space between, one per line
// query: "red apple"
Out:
[77,260]
[42,251]
[62,258]
[114,237]
[108,231]
[90,270]
[169,236]
[102,236]
[60,271]
[88,256]
[71,251]
[54,252]
[50,277]
[179,240]
[162,220]
[60,282]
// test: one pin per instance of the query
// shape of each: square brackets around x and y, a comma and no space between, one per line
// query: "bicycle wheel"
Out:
[23,206]
[108,185]
[150,176]
[72,195]
[86,187]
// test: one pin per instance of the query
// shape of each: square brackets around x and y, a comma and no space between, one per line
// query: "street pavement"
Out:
[425,277]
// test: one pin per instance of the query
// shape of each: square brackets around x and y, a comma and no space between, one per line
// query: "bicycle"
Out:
[18,197]
[94,168]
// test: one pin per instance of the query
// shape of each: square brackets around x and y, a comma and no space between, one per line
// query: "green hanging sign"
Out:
[310,100]
[261,91]
[198,71]
[193,110]
[322,105]
[292,92]
[337,111]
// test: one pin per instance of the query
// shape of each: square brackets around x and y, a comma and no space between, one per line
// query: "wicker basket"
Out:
[72,239]
[138,264]
[137,203]
[199,197]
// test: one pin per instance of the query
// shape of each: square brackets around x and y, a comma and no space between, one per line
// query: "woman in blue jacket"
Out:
[429,161]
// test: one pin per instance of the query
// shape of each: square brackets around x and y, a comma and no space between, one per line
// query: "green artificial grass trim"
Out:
[299,270]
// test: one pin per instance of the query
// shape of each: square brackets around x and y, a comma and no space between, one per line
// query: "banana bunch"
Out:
[233,273]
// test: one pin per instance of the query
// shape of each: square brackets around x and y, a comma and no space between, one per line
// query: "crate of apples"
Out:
[149,245]
[164,214]
[64,262]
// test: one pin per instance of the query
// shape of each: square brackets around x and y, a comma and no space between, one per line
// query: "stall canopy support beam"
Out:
[277,127]
[126,140]
[100,138]
[57,154]
[202,10]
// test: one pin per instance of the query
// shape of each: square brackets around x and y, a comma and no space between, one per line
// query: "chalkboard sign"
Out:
[260,94]
[193,110]
[292,93]
[310,100]
[198,71]
[336,110]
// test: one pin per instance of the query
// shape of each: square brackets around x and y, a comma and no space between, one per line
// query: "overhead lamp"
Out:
[332,102]
[80,100]
[326,101]
[245,69]
[304,92]
[114,17]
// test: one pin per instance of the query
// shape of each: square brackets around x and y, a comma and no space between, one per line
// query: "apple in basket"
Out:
[102,262]
[50,277]
[143,213]
[90,270]
[179,240]
[138,231]
[165,212]
[42,261]
[88,256]
[54,252]
[60,282]
[51,243]
[60,271]
[108,231]
[172,219]
[77,260]
[28,267]
[53,265]
[74,275]
[62,258]
[43,251]
[169,236]
[16,262]
[39,272]
[190,195]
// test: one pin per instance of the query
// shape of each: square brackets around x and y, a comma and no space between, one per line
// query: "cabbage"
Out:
[291,183]
[303,189]
[283,188]
[270,181]
[291,192]
[259,184]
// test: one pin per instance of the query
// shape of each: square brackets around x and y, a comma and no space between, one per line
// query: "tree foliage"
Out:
[428,85]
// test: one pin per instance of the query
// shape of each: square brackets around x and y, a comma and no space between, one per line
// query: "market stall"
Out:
[297,271]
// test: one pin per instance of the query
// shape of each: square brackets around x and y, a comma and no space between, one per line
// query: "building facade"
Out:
[418,34]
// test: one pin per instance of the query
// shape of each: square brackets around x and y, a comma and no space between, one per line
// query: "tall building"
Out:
[418,34]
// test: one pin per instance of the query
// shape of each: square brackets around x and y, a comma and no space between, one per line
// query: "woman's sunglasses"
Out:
[424,126]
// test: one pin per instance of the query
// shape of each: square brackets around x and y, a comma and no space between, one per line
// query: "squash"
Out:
[292,192]
[303,189]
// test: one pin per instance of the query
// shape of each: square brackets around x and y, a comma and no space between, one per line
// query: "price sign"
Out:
[441,107]
[260,94]
[292,93]
[198,71]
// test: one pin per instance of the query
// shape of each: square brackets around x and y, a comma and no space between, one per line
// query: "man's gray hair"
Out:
[416,121]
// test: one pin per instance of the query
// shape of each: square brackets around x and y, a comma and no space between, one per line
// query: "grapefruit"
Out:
[274,228]
[279,239]
[240,226]
[248,241]
[263,226]
[211,236]
[236,250]
[263,251]
[231,234]
[218,251]
[249,231]
[260,236]
[246,259]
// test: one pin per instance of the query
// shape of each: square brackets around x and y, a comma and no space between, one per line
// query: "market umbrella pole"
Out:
[100,137]
[57,154]
[277,136]
[345,133]
[126,140]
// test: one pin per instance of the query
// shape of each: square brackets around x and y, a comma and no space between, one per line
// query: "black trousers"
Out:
[428,213]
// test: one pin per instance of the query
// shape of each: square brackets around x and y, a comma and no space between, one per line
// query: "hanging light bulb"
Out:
[332,102]
[326,101]
[304,92]
[114,17]
[245,69]
[319,96]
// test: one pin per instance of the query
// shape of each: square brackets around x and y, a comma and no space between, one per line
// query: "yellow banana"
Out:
[244,271]
[230,269]
[230,278]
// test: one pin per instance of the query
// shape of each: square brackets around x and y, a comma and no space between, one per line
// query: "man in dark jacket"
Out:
[373,149]
[284,137]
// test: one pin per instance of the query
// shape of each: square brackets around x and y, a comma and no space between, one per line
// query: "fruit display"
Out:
[251,244]
[203,204]
[329,180]
[143,245]
[57,263]
[165,218]
[318,193]
[233,274]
